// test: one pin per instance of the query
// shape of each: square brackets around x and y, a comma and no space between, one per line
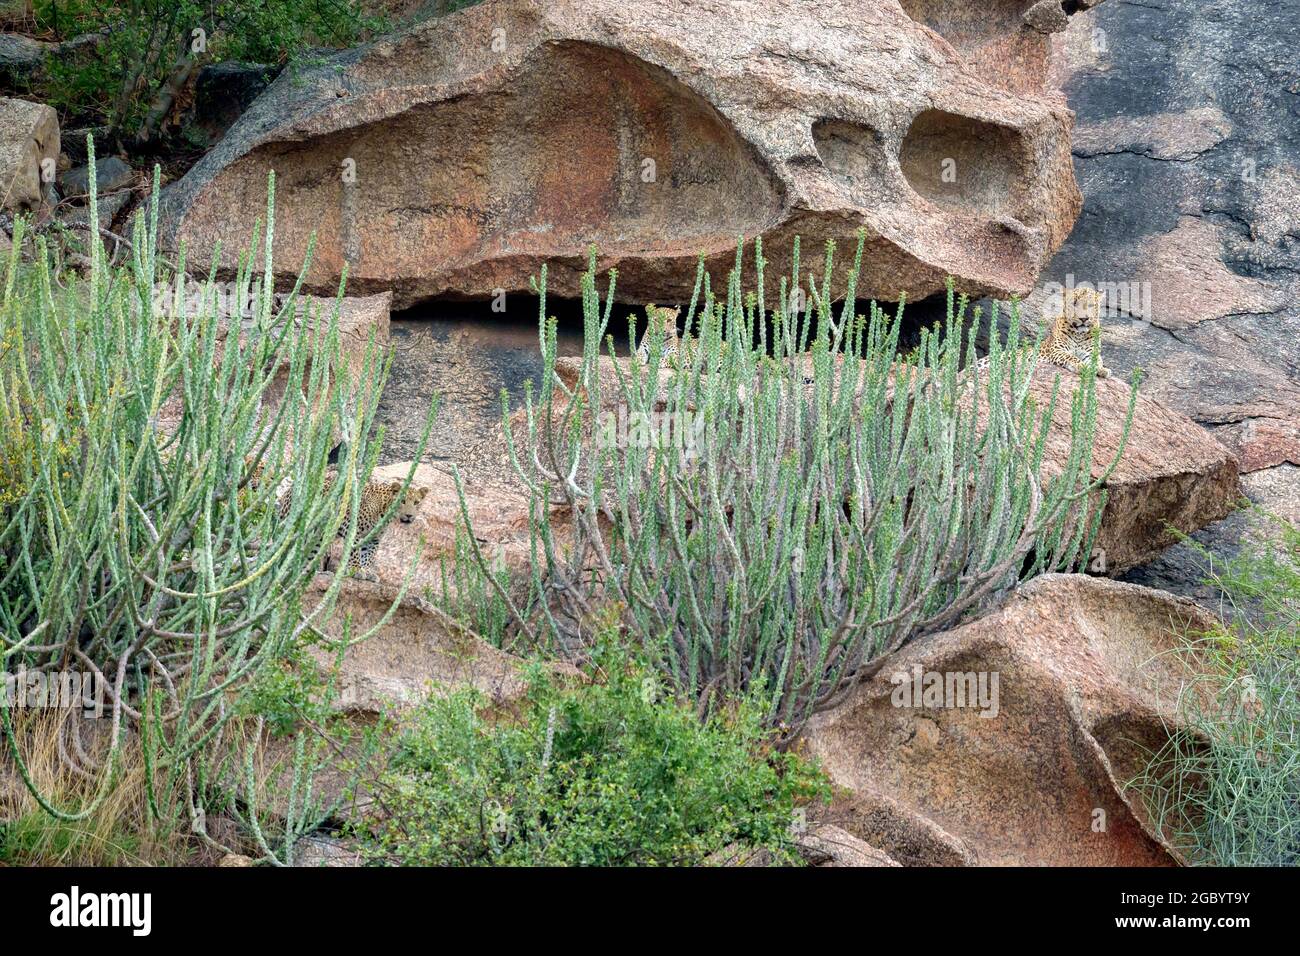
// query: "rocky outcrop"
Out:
[1187,153]
[24,61]
[114,180]
[1006,41]
[467,362]
[1215,238]
[459,156]
[1173,477]
[404,11]
[415,653]
[224,91]
[829,846]
[1045,710]
[821,845]
[498,513]
[361,320]
[111,174]
[29,153]
[21,58]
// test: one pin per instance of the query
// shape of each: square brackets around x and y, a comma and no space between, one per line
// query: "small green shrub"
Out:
[608,774]
[1225,789]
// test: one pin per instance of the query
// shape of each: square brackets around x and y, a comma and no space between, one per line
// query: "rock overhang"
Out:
[658,140]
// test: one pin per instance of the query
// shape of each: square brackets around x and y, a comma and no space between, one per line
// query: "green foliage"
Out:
[286,694]
[1225,789]
[817,502]
[131,77]
[608,774]
[171,498]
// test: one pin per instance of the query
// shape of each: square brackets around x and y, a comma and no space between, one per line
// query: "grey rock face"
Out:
[24,60]
[29,150]
[110,173]
[21,58]
[224,91]
[1187,149]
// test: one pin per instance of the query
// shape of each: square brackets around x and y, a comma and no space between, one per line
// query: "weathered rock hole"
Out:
[966,165]
[855,154]
[966,24]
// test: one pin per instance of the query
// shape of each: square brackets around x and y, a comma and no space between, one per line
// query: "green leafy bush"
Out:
[1225,789]
[608,774]
[782,514]
[148,51]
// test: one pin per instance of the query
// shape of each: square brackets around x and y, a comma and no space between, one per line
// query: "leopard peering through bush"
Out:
[825,520]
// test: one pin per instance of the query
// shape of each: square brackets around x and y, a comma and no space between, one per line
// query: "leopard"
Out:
[1069,344]
[376,498]
[667,319]
[679,351]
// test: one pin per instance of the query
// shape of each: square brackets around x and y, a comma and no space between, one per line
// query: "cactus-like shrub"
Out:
[776,511]
[168,499]
[1224,788]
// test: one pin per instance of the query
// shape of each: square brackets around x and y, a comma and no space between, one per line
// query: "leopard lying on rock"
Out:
[1069,344]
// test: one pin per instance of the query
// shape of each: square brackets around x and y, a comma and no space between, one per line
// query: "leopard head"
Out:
[667,319]
[410,504]
[667,316]
[1082,309]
